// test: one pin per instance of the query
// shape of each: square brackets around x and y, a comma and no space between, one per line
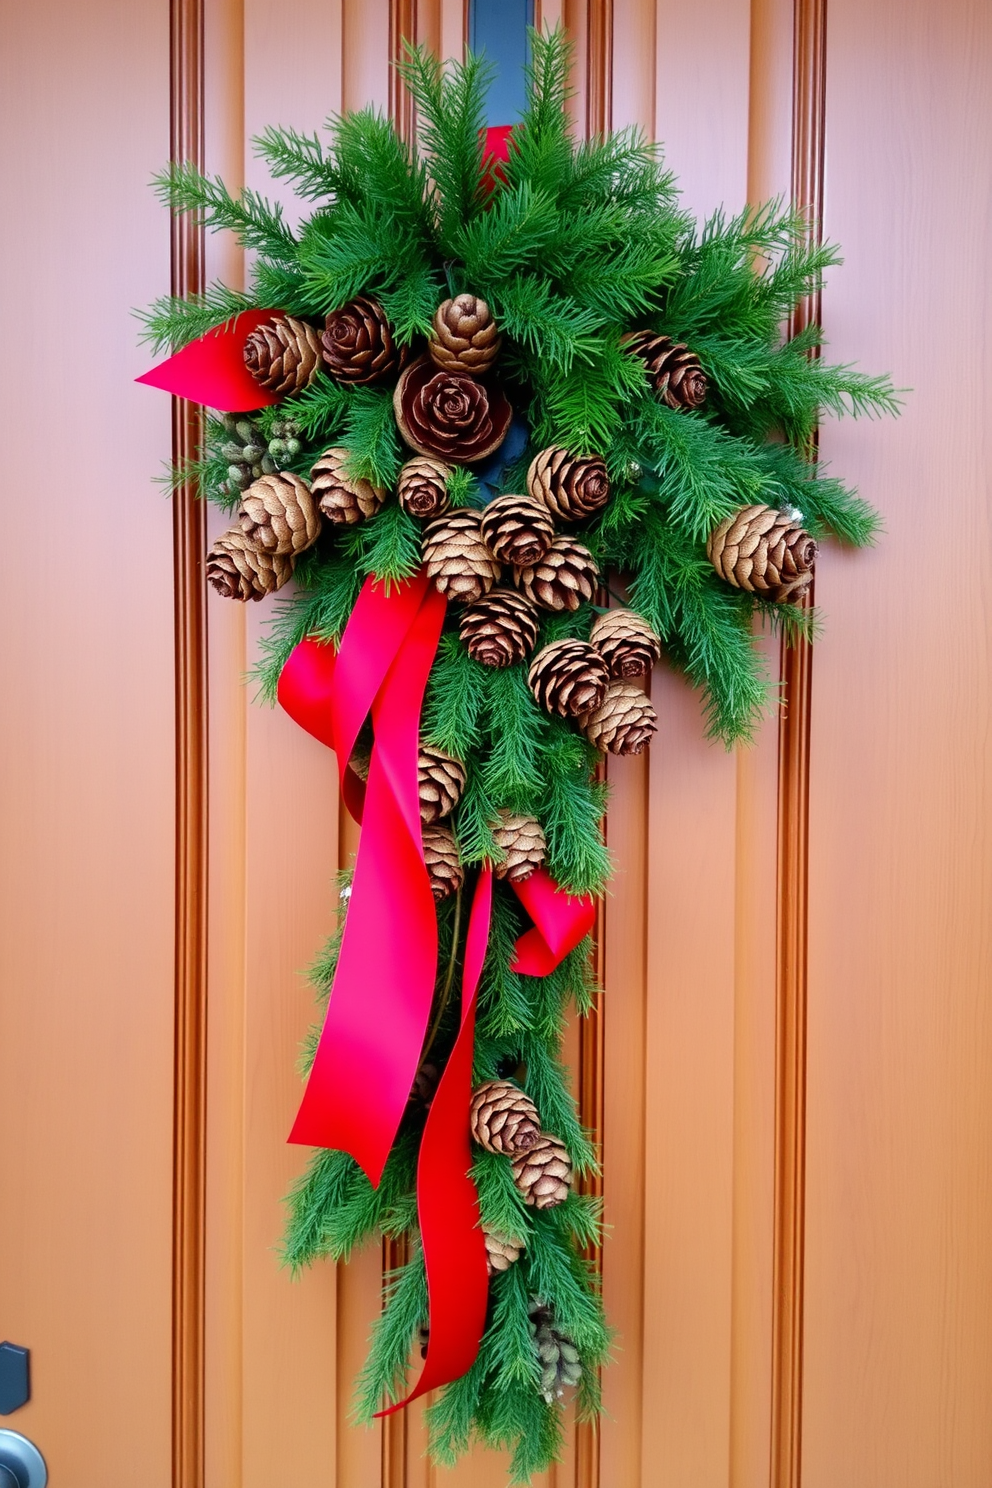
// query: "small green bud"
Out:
[251,453]
[235,473]
[231,451]
[245,430]
[277,447]
[268,465]
[256,471]
[292,447]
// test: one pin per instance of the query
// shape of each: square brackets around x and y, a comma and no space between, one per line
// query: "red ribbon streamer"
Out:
[212,369]
[561,921]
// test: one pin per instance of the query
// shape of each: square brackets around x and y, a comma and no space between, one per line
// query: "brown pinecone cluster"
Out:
[278,519]
[446,406]
[764,551]
[674,370]
[505,1120]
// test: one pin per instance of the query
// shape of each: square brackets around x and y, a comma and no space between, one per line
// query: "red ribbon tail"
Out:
[212,369]
[561,922]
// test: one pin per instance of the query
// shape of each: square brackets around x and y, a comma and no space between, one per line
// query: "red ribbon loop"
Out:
[561,921]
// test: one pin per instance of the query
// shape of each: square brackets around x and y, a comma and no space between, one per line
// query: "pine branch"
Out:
[171,323]
[259,225]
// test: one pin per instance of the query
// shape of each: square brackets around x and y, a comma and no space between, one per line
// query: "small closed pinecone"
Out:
[499,629]
[449,414]
[237,571]
[464,338]
[518,530]
[283,354]
[563,579]
[422,489]
[521,840]
[444,867]
[500,1252]
[441,779]
[568,677]
[627,643]
[543,1173]
[557,1355]
[570,486]
[624,721]
[342,499]
[358,344]
[678,378]
[279,514]
[244,449]
[503,1118]
[763,551]
[456,557]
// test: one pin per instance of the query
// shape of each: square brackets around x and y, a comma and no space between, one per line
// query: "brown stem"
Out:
[449,978]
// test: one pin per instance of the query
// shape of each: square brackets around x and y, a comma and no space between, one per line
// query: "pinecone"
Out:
[456,557]
[557,1355]
[441,857]
[517,529]
[678,378]
[503,1118]
[500,629]
[279,514]
[626,642]
[237,571]
[341,498]
[422,489]
[500,1252]
[441,779]
[449,414]
[624,721]
[570,486]
[465,338]
[568,677]
[358,343]
[245,451]
[763,551]
[283,354]
[521,839]
[543,1173]
[564,577]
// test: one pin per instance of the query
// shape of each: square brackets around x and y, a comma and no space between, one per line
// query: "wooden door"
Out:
[789,1065]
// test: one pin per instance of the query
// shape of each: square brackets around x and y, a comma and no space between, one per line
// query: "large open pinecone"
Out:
[358,343]
[456,557]
[422,488]
[503,1118]
[444,868]
[563,579]
[449,414]
[624,721]
[279,514]
[763,551]
[238,571]
[678,378]
[570,486]
[500,628]
[521,839]
[441,780]
[464,338]
[568,677]
[557,1355]
[517,529]
[543,1173]
[500,1252]
[283,354]
[626,642]
[341,498]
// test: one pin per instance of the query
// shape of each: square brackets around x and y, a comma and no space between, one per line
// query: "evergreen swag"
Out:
[703,412]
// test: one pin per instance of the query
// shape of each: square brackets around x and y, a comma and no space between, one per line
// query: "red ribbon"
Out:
[495,152]
[212,369]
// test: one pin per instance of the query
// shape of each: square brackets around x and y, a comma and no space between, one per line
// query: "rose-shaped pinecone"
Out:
[626,642]
[500,629]
[564,578]
[570,486]
[521,840]
[503,1118]
[441,780]
[678,378]
[464,338]
[283,354]
[500,1252]
[517,529]
[456,557]
[449,414]
[358,344]
[543,1173]
[444,868]
[422,488]
[568,677]
[341,498]
[557,1355]
[763,551]
[279,514]
[238,571]
[624,721]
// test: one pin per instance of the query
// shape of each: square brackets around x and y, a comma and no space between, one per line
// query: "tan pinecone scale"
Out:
[237,571]
[456,557]
[624,721]
[279,514]
[572,487]
[464,337]
[675,372]
[521,840]
[568,677]
[499,629]
[764,551]
[564,578]
[503,1118]
[443,863]
[283,355]
[626,642]
[500,1252]
[517,530]
[342,499]
[543,1173]
[441,780]
[422,488]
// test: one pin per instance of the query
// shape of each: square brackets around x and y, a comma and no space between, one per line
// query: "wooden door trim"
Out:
[189,543]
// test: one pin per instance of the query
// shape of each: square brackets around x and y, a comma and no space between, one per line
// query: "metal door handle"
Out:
[21,1464]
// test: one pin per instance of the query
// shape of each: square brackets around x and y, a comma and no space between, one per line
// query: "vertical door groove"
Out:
[189,529]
